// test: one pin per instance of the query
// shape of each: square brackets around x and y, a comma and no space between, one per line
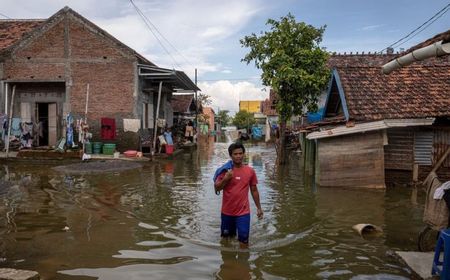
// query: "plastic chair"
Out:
[442,268]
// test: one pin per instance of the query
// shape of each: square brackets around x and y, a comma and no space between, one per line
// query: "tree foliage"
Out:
[244,119]
[292,63]
[223,118]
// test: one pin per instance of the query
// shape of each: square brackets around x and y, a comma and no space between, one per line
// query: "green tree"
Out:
[203,100]
[244,119]
[293,64]
[223,118]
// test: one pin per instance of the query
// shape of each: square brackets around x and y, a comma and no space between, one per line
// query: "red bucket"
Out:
[169,149]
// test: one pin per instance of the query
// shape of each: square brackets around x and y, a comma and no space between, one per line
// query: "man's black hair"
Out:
[234,146]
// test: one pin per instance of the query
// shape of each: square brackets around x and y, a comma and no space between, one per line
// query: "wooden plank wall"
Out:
[441,141]
[399,153]
[352,161]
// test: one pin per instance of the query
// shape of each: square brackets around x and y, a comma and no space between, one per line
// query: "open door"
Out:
[52,124]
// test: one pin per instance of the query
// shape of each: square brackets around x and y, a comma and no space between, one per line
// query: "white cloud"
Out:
[371,27]
[226,95]
[197,29]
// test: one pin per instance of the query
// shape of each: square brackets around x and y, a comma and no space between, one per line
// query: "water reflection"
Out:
[163,222]
[235,266]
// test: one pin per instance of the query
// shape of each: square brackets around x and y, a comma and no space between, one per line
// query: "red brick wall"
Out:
[30,70]
[110,88]
[48,45]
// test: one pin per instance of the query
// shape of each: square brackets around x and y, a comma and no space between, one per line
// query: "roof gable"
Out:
[29,34]
[182,103]
[335,103]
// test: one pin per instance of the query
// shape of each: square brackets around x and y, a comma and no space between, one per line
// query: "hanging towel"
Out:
[168,136]
[15,127]
[108,129]
[227,166]
[132,125]
[439,192]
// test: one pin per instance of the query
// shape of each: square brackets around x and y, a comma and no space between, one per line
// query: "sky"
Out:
[205,34]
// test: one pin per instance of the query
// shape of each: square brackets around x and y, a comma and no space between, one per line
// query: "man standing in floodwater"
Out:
[235,179]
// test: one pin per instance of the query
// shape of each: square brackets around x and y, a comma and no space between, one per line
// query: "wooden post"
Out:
[316,170]
[155,129]
[10,119]
[415,172]
[6,97]
[87,102]
[85,119]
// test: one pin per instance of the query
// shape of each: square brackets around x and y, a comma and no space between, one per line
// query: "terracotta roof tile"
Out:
[181,103]
[373,60]
[416,91]
[444,36]
[12,31]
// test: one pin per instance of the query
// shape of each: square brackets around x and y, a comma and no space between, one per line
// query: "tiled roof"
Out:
[372,60]
[358,60]
[181,103]
[444,36]
[12,31]
[416,91]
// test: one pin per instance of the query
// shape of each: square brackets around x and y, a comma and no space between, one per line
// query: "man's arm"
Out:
[221,183]
[255,195]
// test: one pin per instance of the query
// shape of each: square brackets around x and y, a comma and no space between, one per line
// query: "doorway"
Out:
[46,117]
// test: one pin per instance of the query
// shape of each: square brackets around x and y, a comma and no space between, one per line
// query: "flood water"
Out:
[163,221]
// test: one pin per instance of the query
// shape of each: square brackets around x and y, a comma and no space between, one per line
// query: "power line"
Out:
[233,79]
[3,15]
[438,15]
[151,30]
[422,29]
[162,36]
[165,39]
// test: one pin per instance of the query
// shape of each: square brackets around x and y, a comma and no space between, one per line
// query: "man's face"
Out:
[237,155]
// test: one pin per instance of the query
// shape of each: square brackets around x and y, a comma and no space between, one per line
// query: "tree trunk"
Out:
[281,144]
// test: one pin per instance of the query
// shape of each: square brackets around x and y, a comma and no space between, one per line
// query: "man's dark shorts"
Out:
[231,224]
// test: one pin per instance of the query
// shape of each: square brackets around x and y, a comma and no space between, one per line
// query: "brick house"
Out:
[210,119]
[52,64]
[376,125]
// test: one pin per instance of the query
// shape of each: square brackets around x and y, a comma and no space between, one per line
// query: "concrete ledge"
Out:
[45,154]
[419,262]
[17,274]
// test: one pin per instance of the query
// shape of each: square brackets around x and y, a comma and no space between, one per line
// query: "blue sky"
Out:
[206,34]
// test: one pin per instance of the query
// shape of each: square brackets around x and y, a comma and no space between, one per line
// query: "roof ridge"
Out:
[360,54]
[436,64]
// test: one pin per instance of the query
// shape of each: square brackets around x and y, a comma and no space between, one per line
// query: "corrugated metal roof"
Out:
[369,126]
